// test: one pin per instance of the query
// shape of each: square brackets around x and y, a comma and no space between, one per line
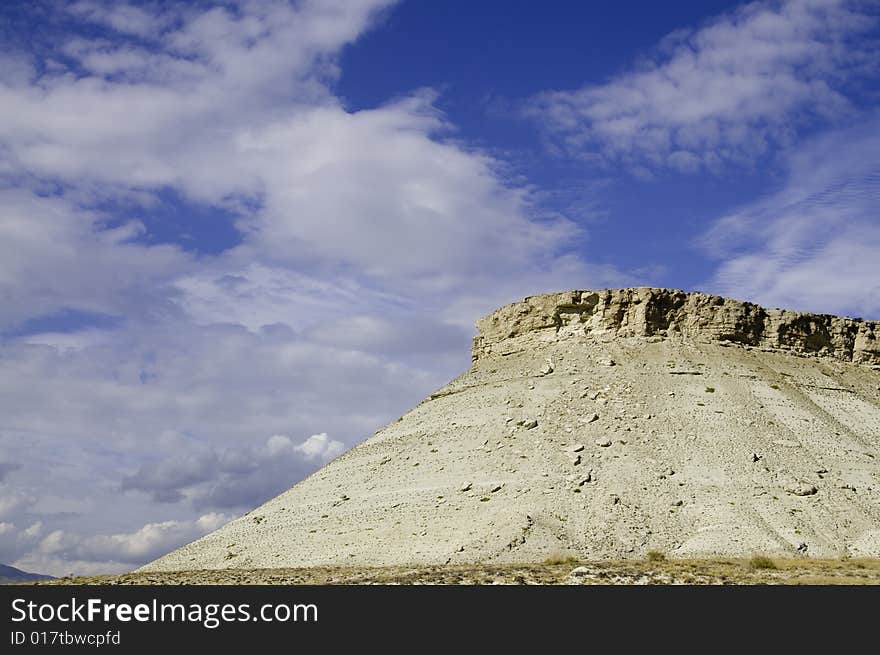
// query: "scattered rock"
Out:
[607,362]
[530,424]
[666,473]
[603,442]
[497,487]
[756,457]
[800,488]
[575,460]
[594,395]
[467,486]
[578,447]
[547,369]
[678,503]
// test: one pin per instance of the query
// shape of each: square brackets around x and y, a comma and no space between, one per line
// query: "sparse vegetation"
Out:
[556,569]
[555,559]
[762,562]
[710,389]
[656,556]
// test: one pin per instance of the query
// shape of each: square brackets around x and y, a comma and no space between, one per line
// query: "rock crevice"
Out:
[652,312]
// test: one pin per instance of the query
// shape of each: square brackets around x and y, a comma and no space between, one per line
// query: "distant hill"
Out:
[11,575]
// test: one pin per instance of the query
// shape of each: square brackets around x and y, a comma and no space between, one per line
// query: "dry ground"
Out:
[757,570]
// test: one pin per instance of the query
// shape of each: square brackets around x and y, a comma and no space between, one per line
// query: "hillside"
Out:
[603,425]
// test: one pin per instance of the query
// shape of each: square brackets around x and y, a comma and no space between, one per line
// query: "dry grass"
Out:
[762,562]
[555,559]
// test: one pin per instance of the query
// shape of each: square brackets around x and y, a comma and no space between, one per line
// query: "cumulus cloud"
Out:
[54,255]
[121,17]
[366,245]
[15,542]
[723,93]
[233,477]
[814,244]
[12,502]
[60,553]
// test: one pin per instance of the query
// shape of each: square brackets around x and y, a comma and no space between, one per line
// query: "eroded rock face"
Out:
[650,312]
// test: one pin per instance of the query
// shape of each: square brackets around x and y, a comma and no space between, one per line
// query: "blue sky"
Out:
[238,237]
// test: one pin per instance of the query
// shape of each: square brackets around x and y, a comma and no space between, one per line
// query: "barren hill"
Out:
[603,424]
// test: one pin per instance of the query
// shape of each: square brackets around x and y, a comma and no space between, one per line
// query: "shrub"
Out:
[710,389]
[560,558]
[762,562]
[656,556]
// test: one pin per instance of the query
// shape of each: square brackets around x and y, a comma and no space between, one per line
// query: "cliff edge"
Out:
[652,312]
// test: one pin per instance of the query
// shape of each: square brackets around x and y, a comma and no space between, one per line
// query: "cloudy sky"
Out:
[236,238]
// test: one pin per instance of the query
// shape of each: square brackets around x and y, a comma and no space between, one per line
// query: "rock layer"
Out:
[643,312]
[600,425]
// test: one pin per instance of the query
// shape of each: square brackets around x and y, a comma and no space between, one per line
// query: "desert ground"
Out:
[758,570]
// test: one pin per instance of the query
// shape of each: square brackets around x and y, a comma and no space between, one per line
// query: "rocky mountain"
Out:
[603,424]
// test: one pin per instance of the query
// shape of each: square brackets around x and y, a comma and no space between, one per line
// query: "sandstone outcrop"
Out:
[646,312]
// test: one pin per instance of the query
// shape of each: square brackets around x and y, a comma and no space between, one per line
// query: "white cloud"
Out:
[725,92]
[368,246]
[53,255]
[813,245]
[13,502]
[150,541]
[120,16]
[61,553]
[320,446]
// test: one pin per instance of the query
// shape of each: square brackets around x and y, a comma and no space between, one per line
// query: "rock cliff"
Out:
[645,312]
